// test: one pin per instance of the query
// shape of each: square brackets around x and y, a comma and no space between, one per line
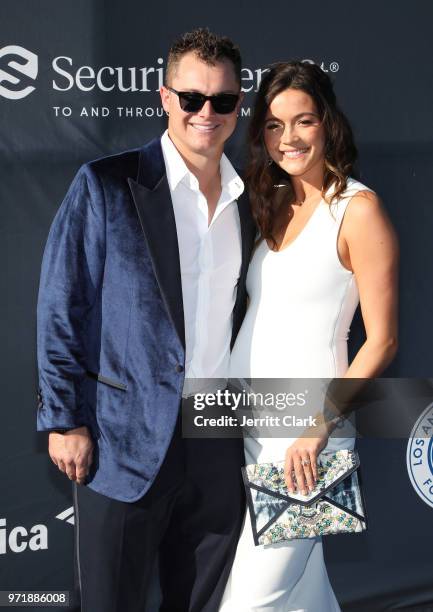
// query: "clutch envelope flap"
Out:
[337,485]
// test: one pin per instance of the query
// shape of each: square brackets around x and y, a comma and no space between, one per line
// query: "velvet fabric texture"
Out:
[111,340]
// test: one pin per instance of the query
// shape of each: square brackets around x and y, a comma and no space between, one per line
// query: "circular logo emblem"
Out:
[419,456]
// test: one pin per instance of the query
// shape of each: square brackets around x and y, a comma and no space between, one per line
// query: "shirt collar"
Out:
[176,168]
[231,182]
[177,171]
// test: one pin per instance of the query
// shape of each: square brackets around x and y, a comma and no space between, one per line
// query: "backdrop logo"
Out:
[28,67]
[18,539]
[419,456]
[20,65]
[67,515]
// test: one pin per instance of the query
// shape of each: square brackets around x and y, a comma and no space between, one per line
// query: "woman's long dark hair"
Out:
[340,150]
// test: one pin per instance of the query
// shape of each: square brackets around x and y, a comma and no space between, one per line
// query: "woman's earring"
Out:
[167,113]
[270,161]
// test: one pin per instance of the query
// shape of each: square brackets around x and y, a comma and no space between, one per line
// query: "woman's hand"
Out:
[300,470]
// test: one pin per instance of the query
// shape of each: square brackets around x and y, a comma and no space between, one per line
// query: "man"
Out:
[142,285]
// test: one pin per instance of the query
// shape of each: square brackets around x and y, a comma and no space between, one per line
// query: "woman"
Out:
[326,245]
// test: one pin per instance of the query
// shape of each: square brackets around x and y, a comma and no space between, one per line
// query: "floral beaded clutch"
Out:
[334,506]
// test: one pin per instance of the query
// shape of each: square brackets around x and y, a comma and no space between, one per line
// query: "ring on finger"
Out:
[305,462]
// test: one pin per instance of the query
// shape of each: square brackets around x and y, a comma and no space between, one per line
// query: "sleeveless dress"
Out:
[302,301]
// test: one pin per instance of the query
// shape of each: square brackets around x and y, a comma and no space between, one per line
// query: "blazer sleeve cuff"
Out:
[59,418]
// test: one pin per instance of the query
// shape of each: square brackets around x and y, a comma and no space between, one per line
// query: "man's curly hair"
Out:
[208,47]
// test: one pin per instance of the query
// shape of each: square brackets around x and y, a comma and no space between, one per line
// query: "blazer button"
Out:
[179,367]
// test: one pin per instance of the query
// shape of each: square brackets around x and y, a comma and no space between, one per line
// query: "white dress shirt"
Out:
[210,262]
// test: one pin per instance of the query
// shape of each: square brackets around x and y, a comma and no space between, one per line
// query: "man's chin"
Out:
[206,145]
[207,149]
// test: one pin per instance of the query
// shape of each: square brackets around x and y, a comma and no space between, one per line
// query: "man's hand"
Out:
[72,452]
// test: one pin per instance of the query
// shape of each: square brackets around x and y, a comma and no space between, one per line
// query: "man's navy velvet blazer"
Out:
[111,340]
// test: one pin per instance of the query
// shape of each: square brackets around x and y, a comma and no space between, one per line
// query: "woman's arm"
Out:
[373,254]
[368,246]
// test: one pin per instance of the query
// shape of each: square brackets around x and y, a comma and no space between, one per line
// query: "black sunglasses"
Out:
[192,102]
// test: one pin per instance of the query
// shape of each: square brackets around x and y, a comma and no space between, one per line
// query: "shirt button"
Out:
[179,367]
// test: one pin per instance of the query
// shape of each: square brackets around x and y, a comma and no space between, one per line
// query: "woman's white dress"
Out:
[302,301]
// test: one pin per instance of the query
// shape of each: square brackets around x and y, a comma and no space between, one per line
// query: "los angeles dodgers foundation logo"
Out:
[419,456]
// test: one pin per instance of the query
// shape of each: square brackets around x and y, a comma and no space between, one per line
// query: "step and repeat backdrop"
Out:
[80,80]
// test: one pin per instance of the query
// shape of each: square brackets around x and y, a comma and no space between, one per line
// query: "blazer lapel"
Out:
[247,230]
[152,198]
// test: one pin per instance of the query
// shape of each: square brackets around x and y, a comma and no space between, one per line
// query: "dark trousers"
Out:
[190,520]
